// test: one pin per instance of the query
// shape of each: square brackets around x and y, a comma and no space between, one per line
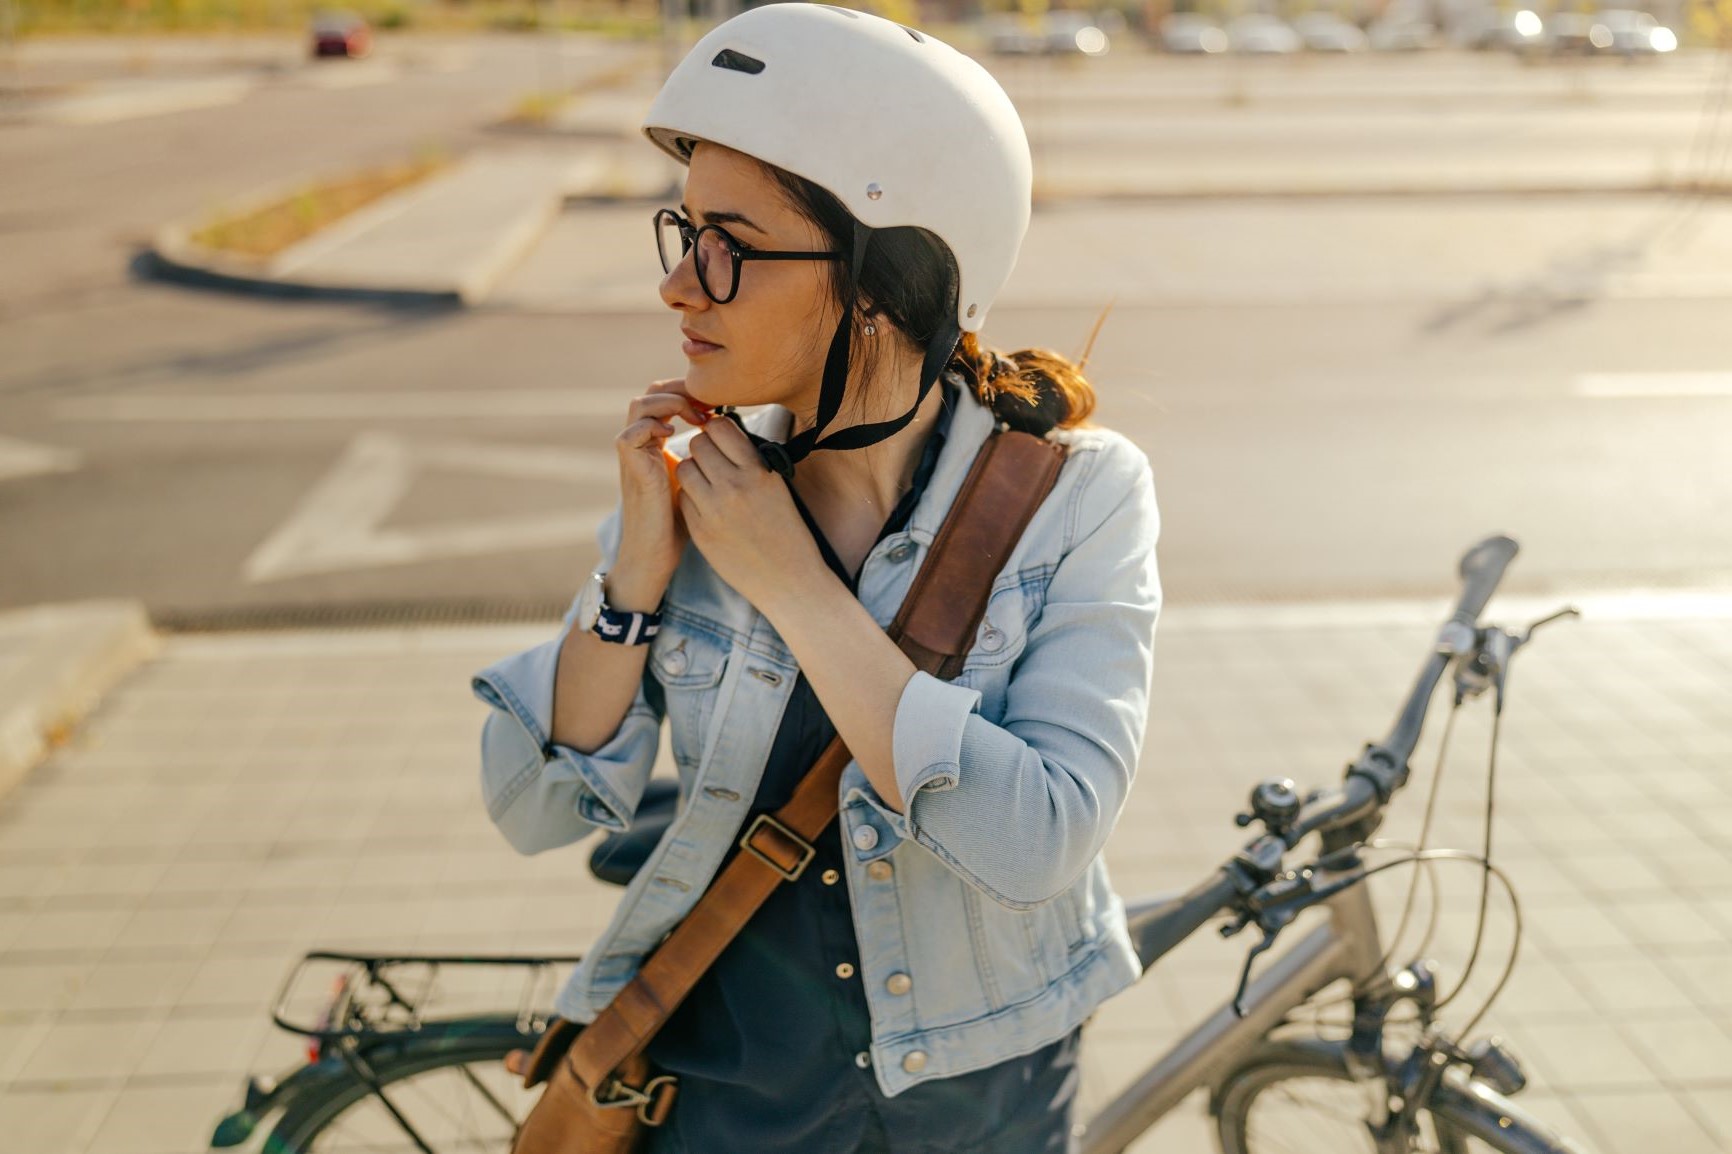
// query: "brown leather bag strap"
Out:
[1011,476]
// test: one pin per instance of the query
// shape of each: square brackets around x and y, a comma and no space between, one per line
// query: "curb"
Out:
[164,263]
[173,256]
[56,662]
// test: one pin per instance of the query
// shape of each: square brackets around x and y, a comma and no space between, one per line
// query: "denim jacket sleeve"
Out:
[541,794]
[1019,809]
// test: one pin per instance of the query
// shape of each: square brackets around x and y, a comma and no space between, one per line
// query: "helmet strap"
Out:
[783,457]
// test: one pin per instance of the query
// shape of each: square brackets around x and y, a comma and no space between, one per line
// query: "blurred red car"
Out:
[341,34]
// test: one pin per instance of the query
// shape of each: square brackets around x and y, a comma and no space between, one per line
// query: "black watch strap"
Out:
[627,628]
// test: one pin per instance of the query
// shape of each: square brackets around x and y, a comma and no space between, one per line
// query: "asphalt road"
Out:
[1323,423]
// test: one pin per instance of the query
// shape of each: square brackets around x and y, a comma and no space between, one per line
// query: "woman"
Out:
[856,196]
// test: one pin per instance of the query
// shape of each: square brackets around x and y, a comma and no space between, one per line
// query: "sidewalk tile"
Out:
[205,1045]
[1646,1122]
[35,987]
[1584,1055]
[1619,985]
[133,985]
[1715,1107]
[1684,1048]
[89,1051]
[34,1121]
[162,1119]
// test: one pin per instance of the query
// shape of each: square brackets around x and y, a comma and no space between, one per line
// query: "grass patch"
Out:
[627,19]
[537,108]
[268,230]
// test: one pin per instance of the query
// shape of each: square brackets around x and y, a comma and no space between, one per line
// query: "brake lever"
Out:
[1245,974]
[1486,664]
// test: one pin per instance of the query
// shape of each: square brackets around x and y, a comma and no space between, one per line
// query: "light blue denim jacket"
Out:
[996,903]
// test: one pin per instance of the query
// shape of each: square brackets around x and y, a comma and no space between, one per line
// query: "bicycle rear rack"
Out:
[371,998]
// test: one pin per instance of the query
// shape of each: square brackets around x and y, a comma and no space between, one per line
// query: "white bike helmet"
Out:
[899,127]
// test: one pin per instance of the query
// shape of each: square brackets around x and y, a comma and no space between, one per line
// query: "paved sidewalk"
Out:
[247,797]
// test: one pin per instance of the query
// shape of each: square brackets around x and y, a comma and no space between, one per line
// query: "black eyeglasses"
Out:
[719,255]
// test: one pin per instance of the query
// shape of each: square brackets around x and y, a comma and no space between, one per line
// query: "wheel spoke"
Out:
[471,1108]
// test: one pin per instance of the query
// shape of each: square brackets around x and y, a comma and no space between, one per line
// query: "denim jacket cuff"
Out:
[521,687]
[926,743]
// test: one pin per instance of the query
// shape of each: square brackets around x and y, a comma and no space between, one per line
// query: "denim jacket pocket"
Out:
[689,661]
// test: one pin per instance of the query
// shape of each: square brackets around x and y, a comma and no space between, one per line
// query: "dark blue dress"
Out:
[772,1045]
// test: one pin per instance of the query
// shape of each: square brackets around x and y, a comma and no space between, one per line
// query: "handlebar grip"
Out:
[1482,568]
[1173,924]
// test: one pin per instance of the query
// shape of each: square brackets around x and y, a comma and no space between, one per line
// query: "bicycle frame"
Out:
[1347,945]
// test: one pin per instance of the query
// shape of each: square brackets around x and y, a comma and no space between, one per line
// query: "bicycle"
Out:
[374,1051]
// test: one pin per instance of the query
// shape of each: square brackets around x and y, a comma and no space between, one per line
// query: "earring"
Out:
[871,329]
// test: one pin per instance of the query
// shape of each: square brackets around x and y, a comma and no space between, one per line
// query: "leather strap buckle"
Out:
[652,1103]
[782,838]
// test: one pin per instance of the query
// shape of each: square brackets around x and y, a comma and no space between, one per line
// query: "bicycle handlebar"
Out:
[1160,930]
[1481,569]
[1371,781]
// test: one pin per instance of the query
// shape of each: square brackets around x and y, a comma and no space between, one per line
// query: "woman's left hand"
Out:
[742,517]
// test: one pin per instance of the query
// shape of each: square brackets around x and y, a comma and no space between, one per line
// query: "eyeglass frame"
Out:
[690,238]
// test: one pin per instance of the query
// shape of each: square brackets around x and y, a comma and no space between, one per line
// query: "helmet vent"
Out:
[738,62]
[918,39]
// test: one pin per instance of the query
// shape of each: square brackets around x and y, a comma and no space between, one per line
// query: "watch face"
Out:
[589,605]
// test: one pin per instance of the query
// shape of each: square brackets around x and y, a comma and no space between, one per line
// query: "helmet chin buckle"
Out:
[776,457]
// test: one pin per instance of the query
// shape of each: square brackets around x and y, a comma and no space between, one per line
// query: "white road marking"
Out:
[338,526]
[348,73]
[25,459]
[1654,385]
[129,100]
[407,405]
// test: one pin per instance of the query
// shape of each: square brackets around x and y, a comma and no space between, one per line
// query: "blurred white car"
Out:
[1633,33]
[1327,32]
[1401,34]
[1258,34]
[1055,34]
[1573,32]
[1487,28]
[1189,32]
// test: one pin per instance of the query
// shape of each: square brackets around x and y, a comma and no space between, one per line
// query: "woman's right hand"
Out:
[652,532]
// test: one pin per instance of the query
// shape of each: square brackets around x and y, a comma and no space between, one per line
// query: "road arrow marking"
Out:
[447,404]
[24,459]
[1650,385]
[339,525]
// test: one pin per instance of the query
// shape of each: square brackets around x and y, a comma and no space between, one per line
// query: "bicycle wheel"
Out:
[1298,1098]
[459,1100]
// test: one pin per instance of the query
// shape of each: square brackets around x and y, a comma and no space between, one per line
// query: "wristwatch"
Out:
[594,616]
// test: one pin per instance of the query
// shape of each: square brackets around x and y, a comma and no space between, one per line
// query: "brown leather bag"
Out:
[602,1095]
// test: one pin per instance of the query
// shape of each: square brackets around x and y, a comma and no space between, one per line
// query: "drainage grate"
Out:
[356,615]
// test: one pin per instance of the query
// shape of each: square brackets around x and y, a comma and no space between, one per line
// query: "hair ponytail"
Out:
[1032,390]
[908,279]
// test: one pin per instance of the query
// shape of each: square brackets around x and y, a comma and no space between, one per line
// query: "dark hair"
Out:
[908,279]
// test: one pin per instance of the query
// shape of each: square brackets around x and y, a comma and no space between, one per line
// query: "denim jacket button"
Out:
[865,837]
[880,870]
[831,877]
[914,1061]
[991,640]
[675,662]
[900,552]
[863,1060]
[899,984]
